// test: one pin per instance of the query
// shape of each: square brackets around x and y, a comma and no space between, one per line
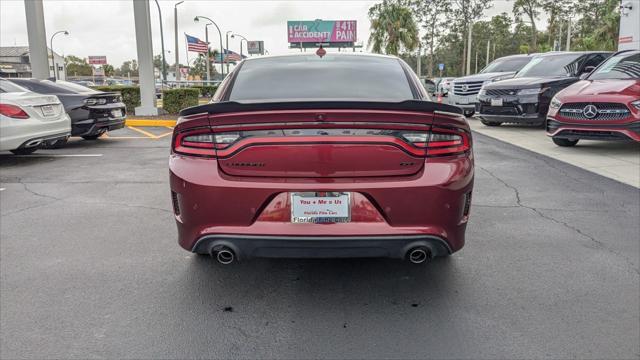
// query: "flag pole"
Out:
[186,49]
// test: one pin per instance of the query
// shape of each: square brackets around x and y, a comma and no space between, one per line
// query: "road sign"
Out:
[440,67]
[322,31]
[97,60]
[255,47]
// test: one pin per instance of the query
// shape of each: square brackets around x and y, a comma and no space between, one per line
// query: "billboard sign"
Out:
[97,60]
[322,31]
[255,47]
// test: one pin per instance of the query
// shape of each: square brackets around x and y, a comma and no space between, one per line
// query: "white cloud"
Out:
[107,28]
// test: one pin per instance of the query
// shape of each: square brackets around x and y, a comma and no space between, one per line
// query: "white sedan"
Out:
[27,119]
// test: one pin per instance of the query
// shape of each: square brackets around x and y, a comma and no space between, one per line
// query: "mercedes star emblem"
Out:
[590,111]
[464,87]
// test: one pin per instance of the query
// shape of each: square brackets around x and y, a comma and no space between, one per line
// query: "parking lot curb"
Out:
[146,122]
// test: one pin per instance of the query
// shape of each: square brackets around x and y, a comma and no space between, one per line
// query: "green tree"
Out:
[433,15]
[108,70]
[77,66]
[129,68]
[530,8]
[393,28]
[466,12]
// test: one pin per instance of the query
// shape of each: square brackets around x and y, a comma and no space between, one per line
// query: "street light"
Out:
[196,19]
[164,69]
[241,38]
[175,27]
[224,53]
[53,59]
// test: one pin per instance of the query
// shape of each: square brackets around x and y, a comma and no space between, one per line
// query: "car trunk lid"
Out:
[325,143]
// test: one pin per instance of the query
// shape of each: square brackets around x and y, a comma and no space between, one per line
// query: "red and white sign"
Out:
[97,60]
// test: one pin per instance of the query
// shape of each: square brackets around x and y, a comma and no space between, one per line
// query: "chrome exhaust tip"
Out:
[225,256]
[419,255]
[33,143]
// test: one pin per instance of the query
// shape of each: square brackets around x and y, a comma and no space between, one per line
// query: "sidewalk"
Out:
[616,160]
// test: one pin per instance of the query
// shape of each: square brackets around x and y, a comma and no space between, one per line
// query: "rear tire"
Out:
[25,151]
[92,137]
[490,123]
[564,142]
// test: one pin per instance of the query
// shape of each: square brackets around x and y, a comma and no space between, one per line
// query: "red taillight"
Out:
[198,142]
[13,111]
[447,142]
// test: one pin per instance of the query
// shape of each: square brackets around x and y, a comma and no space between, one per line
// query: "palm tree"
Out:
[392,28]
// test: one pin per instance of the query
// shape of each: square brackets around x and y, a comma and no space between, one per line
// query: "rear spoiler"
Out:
[233,106]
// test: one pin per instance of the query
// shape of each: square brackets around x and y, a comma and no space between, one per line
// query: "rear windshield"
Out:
[621,66]
[74,87]
[507,65]
[554,65]
[332,77]
[7,86]
[49,87]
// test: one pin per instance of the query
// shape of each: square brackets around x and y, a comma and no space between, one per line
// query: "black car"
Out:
[525,98]
[92,112]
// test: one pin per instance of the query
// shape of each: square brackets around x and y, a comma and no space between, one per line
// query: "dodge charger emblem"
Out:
[590,111]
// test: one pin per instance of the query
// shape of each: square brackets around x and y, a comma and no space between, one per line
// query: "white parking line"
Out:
[60,155]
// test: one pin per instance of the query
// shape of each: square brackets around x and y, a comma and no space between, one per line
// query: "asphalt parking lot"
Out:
[90,268]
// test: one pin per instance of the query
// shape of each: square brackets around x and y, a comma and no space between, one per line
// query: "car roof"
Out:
[556,53]
[311,54]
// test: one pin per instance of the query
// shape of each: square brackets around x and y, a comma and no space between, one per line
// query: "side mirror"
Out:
[468,112]
[583,76]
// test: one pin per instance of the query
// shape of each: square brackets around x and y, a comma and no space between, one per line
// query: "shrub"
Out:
[130,95]
[175,100]
[206,90]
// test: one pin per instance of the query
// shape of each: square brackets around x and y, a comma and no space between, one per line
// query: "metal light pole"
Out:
[175,28]
[241,38]
[196,19]
[226,51]
[164,68]
[206,56]
[53,59]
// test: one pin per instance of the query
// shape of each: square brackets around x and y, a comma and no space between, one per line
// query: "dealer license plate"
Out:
[496,102]
[116,113]
[325,207]
[48,110]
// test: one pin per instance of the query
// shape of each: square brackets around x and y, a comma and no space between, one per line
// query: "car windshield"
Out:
[50,87]
[506,65]
[8,87]
[335,77]
[553,65]
[74,87]
[621,66]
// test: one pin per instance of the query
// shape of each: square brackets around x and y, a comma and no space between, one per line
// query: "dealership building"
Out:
[15,62]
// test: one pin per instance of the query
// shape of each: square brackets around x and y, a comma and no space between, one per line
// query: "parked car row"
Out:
[575,95]
[32,109]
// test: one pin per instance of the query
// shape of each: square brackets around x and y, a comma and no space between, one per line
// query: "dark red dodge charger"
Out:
[340,155]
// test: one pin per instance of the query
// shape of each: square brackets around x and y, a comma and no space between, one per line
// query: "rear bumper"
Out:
[22,133]
[250,246]
[429,205]
[599,131]
[95,126]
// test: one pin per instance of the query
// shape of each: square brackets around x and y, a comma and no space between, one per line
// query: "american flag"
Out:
[230,56]
[196,45]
